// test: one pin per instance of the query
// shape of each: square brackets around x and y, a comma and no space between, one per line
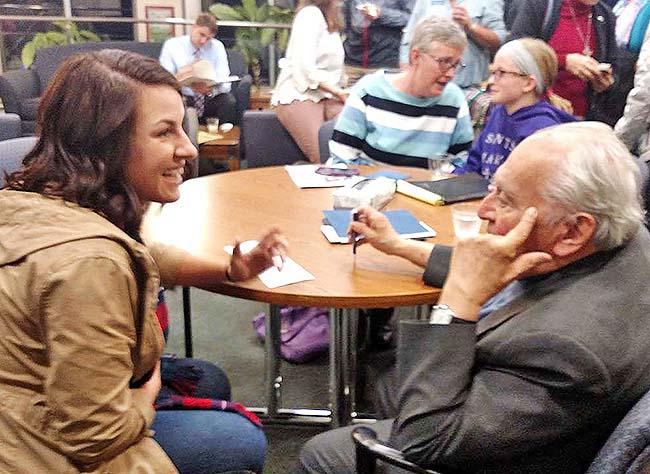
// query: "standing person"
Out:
[633,128]
[308,91]
[373,35]
[482,21]
[520,78]
[582,34]
[80,369]
[404,118]
[201,44]
[537,377]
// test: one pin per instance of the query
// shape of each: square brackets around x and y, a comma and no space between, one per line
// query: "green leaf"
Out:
[55,37]
[262,13]
[28,53]
[89,35]
[283,40]
[251,9]
[267,36]
[225,12]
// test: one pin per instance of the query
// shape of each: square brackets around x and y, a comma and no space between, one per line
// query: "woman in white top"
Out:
[308,91]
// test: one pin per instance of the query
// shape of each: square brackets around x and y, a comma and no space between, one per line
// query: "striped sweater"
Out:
[387,125]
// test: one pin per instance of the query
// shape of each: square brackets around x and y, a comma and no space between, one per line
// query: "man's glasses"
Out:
[498,73]
[445,64]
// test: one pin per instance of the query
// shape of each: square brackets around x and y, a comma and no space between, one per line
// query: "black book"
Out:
[459,188]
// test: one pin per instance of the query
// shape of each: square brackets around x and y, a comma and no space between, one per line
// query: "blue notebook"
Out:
[402,221]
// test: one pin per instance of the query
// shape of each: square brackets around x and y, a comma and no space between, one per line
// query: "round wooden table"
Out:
[215,210]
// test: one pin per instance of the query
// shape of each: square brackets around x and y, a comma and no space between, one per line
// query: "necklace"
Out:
[586,39]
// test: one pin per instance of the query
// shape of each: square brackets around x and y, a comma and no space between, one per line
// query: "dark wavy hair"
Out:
[84,127]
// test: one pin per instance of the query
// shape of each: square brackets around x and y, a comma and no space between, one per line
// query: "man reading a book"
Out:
[537,346]
[200,48]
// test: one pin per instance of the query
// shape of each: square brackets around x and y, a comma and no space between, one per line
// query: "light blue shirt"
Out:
[486,13]
[178,52]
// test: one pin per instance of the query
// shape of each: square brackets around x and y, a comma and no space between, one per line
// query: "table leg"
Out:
[272,361]
[342,365]
[187,319]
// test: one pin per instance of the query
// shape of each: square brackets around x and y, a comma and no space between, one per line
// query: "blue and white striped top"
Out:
[387,125]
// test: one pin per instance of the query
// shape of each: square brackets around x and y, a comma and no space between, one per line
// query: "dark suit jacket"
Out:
[538,385]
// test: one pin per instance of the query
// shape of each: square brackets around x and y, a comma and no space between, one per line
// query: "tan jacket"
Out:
[78,324]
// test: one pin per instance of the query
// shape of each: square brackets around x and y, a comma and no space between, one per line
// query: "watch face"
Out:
[441,315]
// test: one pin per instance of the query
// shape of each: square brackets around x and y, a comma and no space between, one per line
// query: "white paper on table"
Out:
[305,176]
[272,277]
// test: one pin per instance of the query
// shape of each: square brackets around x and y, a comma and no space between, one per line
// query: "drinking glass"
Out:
[466,221]
[440,166]
[212,124]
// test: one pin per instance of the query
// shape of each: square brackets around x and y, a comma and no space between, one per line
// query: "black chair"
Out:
[627,450]
[265,141]
[324,135]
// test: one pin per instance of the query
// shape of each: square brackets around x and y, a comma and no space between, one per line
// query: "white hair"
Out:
[438,29]
[597,175]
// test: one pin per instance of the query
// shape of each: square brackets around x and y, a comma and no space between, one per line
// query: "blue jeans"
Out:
[209,441]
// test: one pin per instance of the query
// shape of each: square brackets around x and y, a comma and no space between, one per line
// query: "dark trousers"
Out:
[223,106]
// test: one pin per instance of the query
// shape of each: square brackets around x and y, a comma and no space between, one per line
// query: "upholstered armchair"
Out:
[21,90]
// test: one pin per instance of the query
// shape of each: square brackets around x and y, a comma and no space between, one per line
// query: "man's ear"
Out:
[414,56]
[576,233]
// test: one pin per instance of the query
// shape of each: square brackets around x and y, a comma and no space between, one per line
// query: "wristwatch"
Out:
[443,314]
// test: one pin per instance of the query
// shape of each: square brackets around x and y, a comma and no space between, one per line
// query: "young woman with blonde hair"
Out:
[520,78]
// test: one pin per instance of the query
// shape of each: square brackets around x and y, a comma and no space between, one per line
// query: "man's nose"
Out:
[486,208]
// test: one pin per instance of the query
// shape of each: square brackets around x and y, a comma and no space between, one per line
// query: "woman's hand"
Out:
[583,67]
[271,250]
[602,82]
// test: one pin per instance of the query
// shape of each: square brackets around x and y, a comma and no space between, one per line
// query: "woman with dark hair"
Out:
[308,91]
[79,360]
[582,34]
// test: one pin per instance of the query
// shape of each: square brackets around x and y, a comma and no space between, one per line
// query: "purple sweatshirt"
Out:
[503,132]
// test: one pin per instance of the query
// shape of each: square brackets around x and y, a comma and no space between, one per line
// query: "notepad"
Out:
[336,223]
[459,188]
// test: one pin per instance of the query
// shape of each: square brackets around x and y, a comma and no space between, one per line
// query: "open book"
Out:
[201,71]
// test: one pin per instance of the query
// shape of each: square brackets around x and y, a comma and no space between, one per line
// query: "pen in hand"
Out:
[354,236]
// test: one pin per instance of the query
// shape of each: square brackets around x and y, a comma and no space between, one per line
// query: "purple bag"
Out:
[304,332]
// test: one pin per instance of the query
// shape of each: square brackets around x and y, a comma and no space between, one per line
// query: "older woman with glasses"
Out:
[482,22]
[520,77]
[407,117]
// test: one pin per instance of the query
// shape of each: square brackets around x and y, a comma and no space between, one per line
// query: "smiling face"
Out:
[431,70]
[507,83]
[159,147]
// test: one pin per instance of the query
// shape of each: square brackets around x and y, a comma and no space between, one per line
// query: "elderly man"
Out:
[539,342]
[180,52]
[406,117]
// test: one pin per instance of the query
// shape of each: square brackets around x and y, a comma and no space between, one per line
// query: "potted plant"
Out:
[68,33]
[250,41]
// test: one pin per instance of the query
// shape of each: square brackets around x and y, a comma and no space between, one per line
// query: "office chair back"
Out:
[324,135]
[12,153]
[266,142]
